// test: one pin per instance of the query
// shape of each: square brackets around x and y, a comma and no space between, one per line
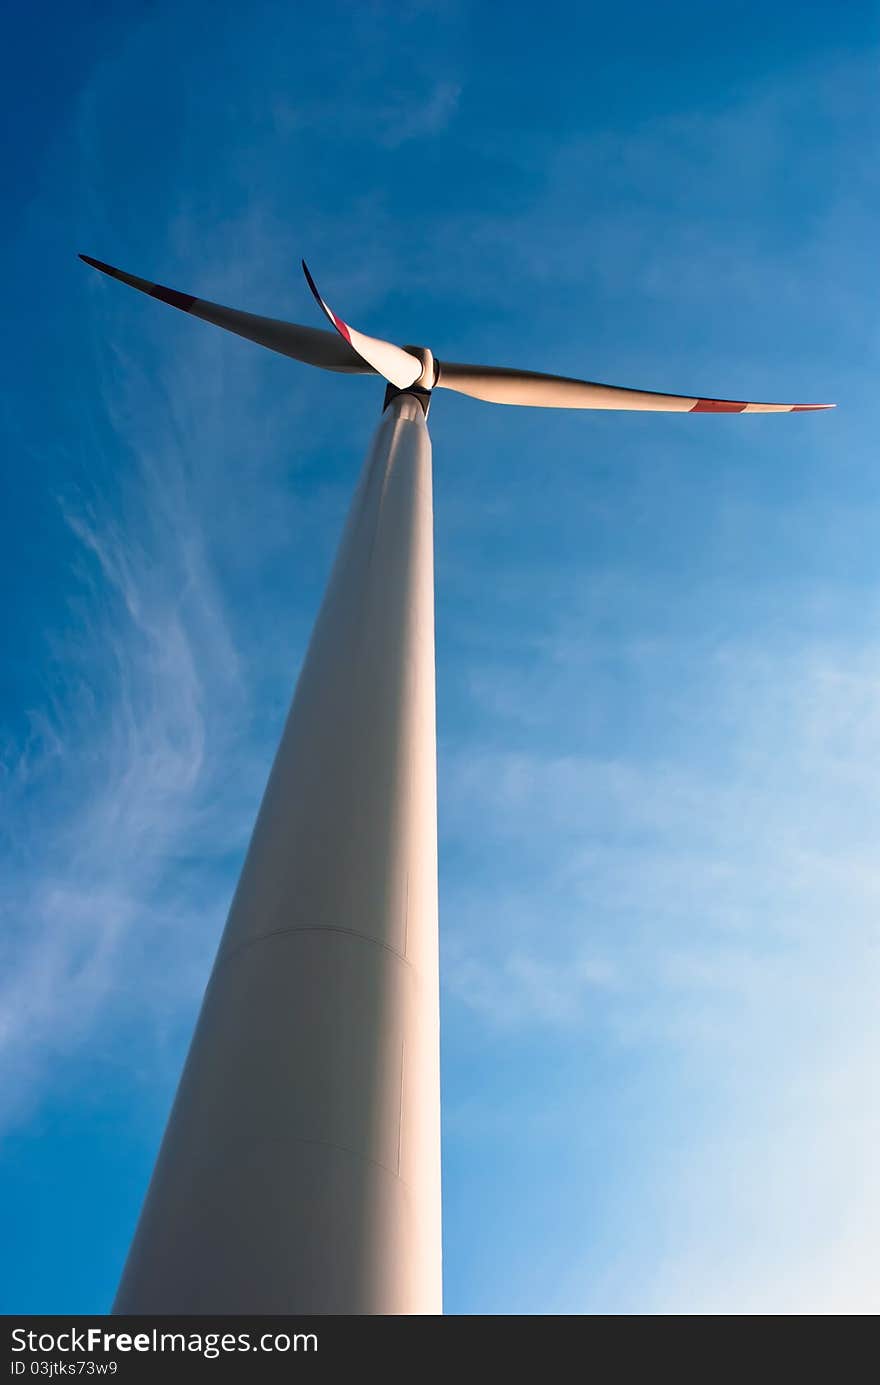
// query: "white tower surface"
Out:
[300,1169]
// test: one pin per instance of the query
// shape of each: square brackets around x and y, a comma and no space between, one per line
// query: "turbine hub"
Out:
[428,377]
[421,387]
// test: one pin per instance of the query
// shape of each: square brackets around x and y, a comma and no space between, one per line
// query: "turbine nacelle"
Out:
[413,369]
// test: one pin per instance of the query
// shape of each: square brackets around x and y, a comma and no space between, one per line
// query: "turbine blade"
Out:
[399,367]
[308,344]
[498,385]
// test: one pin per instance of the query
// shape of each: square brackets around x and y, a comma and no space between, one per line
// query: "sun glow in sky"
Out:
[658,653]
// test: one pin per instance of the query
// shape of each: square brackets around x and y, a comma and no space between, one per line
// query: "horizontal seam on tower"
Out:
[309,928]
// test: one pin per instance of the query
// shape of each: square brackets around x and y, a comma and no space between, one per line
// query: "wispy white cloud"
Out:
[405,113]
[113,779]
[129,804]
[412,117]
[522,989]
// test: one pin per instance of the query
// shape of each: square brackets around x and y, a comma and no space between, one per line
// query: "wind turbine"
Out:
[300,1167]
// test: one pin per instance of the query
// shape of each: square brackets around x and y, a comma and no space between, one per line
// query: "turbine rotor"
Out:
[415,370]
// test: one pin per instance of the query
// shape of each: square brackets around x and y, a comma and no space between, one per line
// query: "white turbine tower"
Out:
[300,1168]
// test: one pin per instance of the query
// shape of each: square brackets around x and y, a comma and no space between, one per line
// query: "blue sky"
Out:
[658,661]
